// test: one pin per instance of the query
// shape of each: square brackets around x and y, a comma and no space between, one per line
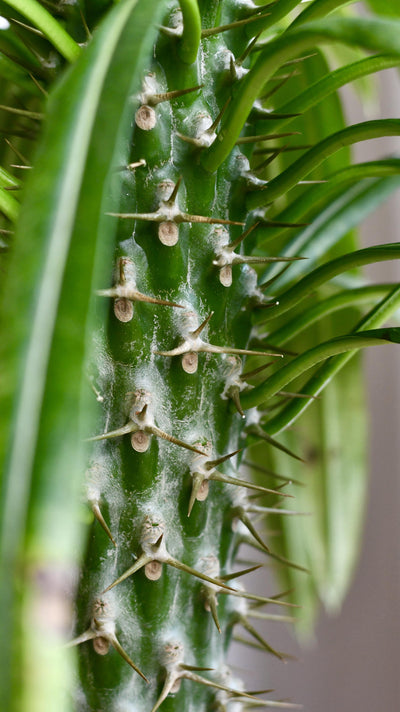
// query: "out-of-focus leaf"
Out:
[64,239]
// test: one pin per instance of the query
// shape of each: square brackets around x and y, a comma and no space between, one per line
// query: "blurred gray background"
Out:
[354,663]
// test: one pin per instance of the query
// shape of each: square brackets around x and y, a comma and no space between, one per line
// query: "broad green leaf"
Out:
[64,240]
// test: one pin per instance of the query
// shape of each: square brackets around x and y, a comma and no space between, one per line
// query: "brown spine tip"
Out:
[145,118]
[168,233]
[140,441]
[190,362]
[153,570]
[101,646]
[123,309]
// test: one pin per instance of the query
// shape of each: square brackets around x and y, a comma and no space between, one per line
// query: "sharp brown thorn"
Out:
[97,513]
[255,259]
[118,647]
[170,95]
[265,137]
[233,245]
[185,217]
[17,152]
[237,574]
[195,668]
[85,25]
[39,86]
[168,685]
[287,394]
[34,30]
[235,395]
[211,464]
[239,61]
[216,121]
[250,629]
[259,432]
[243,352]
[269,160]
[276,150]
[197,481]
[261,600]
[278,86]
[210,683]
[198,574]
[171,438]
[298,59]
[139,563]
[202,326]
[244,483]
[273,279]
[89,634]
[130,427]
[271,617]
[231,26]
[248,524]
[255,371]
[172,197]
[212,602]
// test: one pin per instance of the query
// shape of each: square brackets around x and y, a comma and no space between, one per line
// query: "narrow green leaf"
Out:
[319,197]
[321,275]
[55,33]
[377,35]
[315,156]
[378,316]
[310,358]
[321,89]
[63,233]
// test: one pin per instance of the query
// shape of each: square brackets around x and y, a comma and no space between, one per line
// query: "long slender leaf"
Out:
[310,358]
[42,469]
[321,275]
[378,35]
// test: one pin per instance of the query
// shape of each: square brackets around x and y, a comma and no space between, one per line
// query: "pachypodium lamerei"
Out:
[172,367]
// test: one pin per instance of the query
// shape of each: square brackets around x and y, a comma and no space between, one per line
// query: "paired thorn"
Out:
[169,216]
[226,258]
[154,549]
[125,293]
[205,137]
[202,473]
[141,425]
[102,632]
[176,670]
[193,344]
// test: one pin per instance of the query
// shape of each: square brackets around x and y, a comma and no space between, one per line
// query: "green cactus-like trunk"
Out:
[160,499]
